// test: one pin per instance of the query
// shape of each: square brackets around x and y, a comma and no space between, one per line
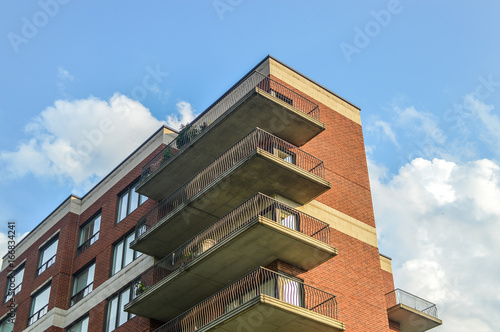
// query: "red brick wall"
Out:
[354,276]
[67,263]
[342,149]
[388,281]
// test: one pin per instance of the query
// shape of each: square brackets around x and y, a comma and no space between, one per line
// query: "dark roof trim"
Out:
[385,256]
[252,70]
[312,81]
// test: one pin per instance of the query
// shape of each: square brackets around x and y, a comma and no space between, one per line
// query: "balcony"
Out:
[411,312]
[260,162]
[263,301]
[256,233]
[255,101]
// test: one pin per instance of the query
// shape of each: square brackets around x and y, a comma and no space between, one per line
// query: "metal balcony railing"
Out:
[399,296]
[46,265]
[85,245]
[228,100]
[81,294]
[258,205]
[258,282]
[11,292]
[257,139]
[37,315]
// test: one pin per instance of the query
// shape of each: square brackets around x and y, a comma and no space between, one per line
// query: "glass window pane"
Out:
[118,257]
[96,225]
[134,200]
[40,301]
[83,279]
[112,312]
[82,326]
[6,326]
[129,253]
[49,252]
[123,207]
[124,298]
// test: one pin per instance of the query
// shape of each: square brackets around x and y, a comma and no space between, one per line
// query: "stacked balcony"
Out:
[263,301]
[413,313]
[256,233]
[255,101]
[216,220]
[260,162]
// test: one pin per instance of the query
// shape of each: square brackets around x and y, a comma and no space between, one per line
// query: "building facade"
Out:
[257,216]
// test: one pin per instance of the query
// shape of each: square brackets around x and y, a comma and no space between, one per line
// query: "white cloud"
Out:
[420,121]
[186,112]
[440,221]
[489,121]
[386,130]
[63,77]
[81,140]
[63,74]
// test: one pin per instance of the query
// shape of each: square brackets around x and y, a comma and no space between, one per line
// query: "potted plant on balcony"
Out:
[140,288]
[167,153]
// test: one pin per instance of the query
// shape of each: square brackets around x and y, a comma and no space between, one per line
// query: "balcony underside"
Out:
[258,243]
[260,171]
[412,320]
[267,314]
[256,109]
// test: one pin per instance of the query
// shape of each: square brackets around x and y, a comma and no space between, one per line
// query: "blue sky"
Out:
[425,73]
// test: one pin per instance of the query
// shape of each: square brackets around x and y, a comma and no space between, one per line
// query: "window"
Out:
[81,326]
[39,304]
[285,216]
[89,233]
[7,325]
[122,254]
[116,316]
[128,201]
[284,153]
[47,256]
[83,283]
[282,97]
[14,282]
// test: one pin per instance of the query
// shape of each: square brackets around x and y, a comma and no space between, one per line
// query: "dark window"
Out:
[39,304]
[128,201]
[83,284]
[115,315]
[122,254]
[14,282]
[47,256]
[89,233]
[81,326]
[7,325]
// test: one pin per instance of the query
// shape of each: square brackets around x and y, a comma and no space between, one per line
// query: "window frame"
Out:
[89,285]
[118,296]
[136,254]
[8,319]
[78,321]
[51,260]
[128,191]
[82,246]
[14,274]
[45,307]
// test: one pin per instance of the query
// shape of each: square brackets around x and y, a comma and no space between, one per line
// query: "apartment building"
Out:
[257,216]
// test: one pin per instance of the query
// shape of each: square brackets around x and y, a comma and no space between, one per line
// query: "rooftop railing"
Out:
[258,282]
[258,205]
[257,139]
[228,100]
[399,296]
